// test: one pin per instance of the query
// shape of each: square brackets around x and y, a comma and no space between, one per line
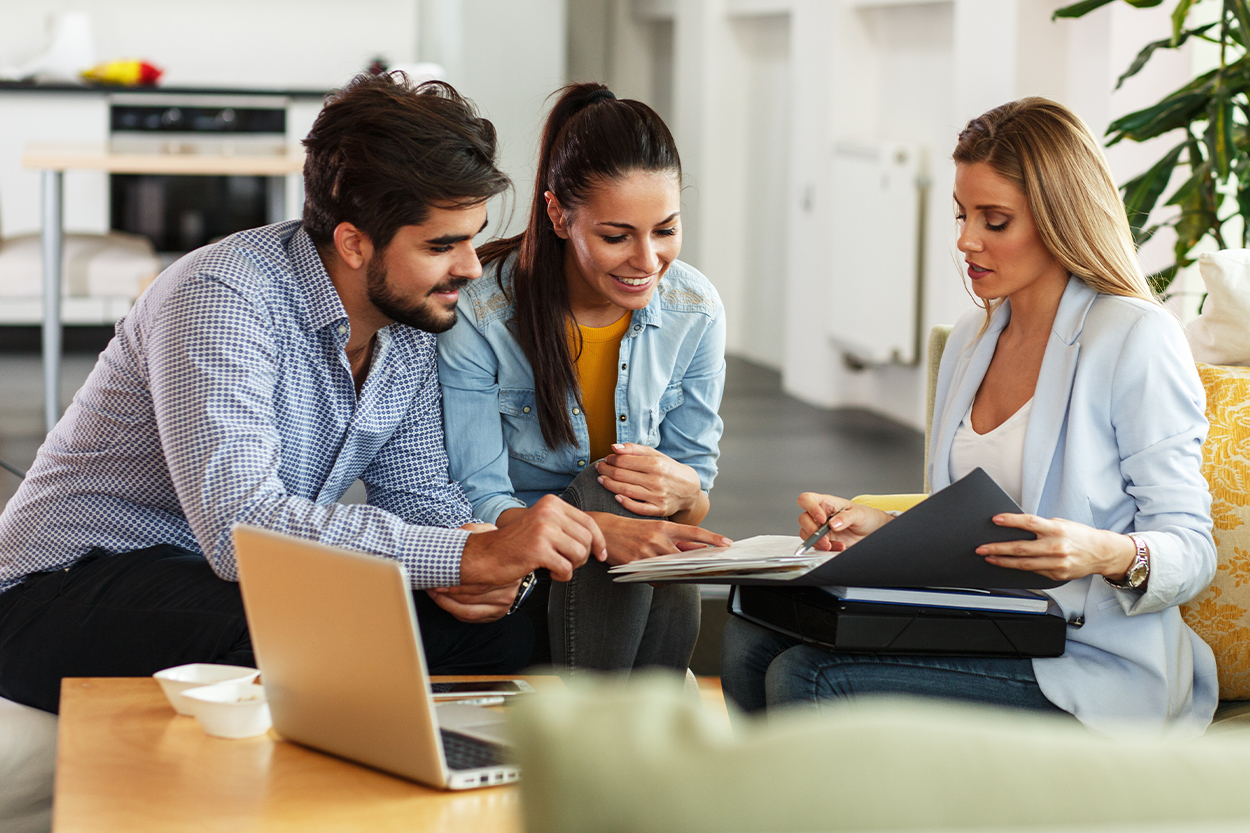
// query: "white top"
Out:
[1000,451]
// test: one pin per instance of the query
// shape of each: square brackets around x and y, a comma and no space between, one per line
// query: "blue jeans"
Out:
[763,669]
[597,624]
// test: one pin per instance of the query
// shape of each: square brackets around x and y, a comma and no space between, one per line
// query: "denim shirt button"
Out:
[526,409]
[623,417]
[637,327]
[623,366]
[576,411]
[581,463]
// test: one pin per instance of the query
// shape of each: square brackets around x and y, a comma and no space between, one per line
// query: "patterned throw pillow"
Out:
[1221,614]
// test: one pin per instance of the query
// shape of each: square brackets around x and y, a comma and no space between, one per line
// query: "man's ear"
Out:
[559,218]
[352,245]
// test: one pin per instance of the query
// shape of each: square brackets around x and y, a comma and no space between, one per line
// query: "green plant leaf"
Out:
[1141,193]
[1241,11]
[1150,48]
[1173,112]
[1179,14]
[1079,9]
[1220,133]
[1162,279]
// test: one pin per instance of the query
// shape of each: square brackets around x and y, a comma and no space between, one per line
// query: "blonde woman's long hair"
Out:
[1053,158]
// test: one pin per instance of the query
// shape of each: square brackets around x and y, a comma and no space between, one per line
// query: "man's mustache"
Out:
[453,285]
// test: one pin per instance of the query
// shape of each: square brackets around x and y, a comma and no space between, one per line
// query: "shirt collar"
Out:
[652,314]
[320,305]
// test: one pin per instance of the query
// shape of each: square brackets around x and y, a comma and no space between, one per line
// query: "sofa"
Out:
[638,757]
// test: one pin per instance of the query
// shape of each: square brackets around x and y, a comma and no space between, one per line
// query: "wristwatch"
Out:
[1139,570]
[523,593]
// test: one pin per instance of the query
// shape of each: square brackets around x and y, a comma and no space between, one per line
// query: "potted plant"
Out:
[1212,112]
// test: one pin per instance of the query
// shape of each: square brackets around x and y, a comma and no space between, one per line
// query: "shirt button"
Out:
[576,411]
[637,327]
[342,330]
[624,366]
[622,417]
[581,463]
[526,409]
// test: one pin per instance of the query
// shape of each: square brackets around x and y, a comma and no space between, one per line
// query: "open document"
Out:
[933,544]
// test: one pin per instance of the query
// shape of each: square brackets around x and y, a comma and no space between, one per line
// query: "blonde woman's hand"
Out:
[852,522]
[1064,550]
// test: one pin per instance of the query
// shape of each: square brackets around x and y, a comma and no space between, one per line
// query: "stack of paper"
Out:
[764,556]
[1008,601]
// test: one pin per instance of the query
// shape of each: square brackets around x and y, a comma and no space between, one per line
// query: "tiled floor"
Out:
[774,447]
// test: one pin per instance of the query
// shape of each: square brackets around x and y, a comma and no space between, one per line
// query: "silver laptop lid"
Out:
[336,640]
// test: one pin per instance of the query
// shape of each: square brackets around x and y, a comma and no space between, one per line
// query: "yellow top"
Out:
[596,374]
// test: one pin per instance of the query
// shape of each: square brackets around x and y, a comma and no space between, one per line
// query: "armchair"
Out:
[1221,614]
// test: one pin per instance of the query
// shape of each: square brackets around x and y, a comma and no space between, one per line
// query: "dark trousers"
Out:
[133,614]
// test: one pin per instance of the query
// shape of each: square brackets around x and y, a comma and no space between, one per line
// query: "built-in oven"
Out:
[181,213]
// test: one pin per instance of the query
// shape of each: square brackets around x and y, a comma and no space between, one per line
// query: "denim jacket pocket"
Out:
[522,435]
[670,399]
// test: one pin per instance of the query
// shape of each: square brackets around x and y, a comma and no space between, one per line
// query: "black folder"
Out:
[933,544]
[817,618]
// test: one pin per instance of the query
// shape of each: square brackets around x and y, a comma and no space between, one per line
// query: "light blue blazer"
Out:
[1114,441]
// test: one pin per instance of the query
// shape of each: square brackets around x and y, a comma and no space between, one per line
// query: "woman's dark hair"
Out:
[590,138]
[383,152]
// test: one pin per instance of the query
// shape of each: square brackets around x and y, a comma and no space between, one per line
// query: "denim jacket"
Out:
[670,378]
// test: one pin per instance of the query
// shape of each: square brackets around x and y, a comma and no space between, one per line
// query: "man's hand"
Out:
[632,538]
[475,603]
[550,534]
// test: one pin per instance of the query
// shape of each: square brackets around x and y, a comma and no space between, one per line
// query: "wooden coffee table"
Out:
[126,762]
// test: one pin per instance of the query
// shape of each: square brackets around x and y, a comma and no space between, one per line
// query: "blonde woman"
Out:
[1077,392]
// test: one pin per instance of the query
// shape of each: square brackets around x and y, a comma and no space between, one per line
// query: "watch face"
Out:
[1137,575]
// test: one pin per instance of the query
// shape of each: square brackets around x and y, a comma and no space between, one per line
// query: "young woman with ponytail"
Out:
[589,362]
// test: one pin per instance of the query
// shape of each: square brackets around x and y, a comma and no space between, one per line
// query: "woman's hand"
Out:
[632,538]
[649,483]
[852,523]
[1064,550]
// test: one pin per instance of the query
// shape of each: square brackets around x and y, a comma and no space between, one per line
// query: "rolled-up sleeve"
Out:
[691,432]
[1158,411]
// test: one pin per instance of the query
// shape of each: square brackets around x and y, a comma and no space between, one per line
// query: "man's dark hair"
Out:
[382,153]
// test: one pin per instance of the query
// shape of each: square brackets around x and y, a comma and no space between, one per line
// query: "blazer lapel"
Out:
[1053,391]
[965,382]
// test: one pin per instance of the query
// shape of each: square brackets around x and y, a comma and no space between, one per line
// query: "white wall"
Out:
[508,56]
[302,44]
[761,90]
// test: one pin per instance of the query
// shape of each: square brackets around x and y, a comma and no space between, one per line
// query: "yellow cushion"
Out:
[1221,614]
[889,503]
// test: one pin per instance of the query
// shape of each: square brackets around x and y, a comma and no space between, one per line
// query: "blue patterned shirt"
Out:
[226,397]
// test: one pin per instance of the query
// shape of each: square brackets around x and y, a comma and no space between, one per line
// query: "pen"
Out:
[820,532]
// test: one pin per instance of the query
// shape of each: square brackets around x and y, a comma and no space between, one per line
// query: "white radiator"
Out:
[875,275]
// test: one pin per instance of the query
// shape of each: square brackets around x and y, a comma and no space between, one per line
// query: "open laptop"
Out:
[339,650]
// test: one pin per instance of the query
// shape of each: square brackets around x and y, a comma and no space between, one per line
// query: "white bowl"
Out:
[176,680]
[231,710]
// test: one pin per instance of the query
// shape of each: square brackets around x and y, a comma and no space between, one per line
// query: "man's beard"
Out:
[421,316]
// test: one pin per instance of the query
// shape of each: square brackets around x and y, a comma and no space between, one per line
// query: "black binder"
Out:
[814,616]
[933,544]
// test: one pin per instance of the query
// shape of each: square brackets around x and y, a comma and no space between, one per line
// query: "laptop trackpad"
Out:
[474,721]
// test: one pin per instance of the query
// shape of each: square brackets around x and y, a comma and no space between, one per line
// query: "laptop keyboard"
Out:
[464,752]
